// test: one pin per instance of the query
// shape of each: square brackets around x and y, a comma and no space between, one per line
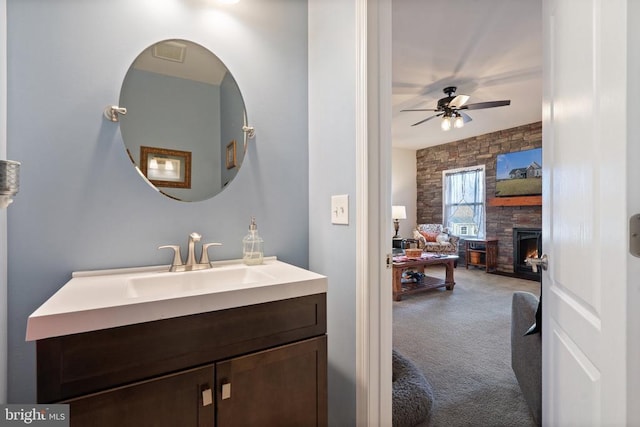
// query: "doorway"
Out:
[420,86]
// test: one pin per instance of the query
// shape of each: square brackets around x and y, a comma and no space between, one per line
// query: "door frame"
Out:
[4,326]
[373,213]
[374,325]
[633,207]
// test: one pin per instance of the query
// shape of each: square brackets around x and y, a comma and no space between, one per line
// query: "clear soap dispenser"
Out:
[252,253]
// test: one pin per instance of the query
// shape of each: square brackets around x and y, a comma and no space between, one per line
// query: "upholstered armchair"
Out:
[435,238]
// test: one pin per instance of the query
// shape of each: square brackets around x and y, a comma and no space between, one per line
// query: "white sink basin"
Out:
[218,279]
[112,298]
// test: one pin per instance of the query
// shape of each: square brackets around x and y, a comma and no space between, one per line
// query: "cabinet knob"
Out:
[207,397]
[226,391]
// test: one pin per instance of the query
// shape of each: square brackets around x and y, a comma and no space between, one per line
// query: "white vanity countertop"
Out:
[111,298]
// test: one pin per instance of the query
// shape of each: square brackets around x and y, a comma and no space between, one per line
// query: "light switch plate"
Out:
[340,209]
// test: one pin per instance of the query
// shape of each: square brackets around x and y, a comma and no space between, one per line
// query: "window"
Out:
[463,195]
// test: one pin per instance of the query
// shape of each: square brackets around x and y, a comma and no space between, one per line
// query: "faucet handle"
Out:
[204,259]
[177,259]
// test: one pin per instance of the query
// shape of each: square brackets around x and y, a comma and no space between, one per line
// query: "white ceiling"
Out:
[490,49]
[198,63]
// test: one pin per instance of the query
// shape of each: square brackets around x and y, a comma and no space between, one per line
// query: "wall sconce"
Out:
[111,112]
[9,181]
[397,213]
[163,168]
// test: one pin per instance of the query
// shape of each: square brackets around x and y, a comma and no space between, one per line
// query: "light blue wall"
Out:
[332,160]
[81,204]
[180,114]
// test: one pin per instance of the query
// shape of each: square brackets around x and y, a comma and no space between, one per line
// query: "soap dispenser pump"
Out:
[252,253]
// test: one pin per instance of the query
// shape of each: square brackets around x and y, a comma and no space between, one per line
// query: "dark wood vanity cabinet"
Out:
[258,365]
[172,400]
[285,386]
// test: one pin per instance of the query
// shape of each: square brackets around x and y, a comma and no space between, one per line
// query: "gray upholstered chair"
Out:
[526,351]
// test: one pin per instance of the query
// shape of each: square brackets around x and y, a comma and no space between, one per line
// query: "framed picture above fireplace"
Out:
[519,173]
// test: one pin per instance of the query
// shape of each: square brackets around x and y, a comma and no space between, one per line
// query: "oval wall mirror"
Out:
[183,127]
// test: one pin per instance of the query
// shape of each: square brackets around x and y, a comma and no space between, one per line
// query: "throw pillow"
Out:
[430,237]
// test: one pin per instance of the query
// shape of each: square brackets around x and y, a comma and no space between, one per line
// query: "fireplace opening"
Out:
[527,243]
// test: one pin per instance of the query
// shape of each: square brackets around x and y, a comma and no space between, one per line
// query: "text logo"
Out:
[34,415]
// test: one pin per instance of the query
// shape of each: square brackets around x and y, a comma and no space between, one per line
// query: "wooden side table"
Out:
[481,253]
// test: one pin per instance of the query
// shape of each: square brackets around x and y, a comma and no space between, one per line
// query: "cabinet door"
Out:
[284,386]
[179,399]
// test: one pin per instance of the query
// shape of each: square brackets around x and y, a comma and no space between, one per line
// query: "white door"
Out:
[584,213]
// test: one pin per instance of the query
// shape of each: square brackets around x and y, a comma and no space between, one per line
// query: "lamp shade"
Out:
[398,212]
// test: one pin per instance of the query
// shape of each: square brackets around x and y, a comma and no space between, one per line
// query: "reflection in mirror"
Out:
[184,123]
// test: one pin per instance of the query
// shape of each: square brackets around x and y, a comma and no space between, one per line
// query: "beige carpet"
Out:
[460,340]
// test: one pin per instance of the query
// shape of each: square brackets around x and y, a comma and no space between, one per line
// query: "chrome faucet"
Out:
[191,256]
[191,264]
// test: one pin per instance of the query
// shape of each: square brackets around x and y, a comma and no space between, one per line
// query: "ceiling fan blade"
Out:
[420,109]
[489,104]
[458,101]
[465,117]
[428,118]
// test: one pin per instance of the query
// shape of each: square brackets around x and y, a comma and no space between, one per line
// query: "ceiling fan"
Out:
[449,108]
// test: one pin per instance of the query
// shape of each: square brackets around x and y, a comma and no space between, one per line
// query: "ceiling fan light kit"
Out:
[449,109]
[455,120]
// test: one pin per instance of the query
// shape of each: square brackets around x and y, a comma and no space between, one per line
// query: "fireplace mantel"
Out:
[516,201]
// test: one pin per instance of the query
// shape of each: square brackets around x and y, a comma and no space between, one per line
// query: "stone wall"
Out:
[474,151]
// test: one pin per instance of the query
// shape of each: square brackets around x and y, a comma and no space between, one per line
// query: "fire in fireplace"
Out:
[527,243]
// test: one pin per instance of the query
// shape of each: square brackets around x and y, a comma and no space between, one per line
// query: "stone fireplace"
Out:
[482,149]
[527,243]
